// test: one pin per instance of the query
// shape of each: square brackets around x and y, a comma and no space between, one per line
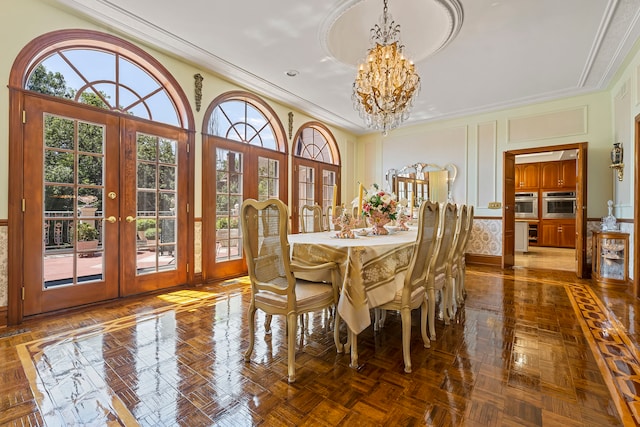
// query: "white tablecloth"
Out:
[370,267]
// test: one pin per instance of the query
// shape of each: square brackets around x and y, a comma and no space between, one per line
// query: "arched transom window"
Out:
[240,120]
[104,79]
[312,144]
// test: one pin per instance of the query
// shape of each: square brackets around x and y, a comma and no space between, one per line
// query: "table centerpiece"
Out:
[380,208]
[345,221]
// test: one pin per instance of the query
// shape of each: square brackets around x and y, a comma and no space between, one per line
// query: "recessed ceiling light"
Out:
[292,73]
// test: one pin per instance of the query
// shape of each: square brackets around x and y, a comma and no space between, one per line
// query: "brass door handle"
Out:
[112,219]
[131,218]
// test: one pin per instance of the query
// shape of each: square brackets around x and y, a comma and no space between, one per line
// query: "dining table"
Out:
[371,270]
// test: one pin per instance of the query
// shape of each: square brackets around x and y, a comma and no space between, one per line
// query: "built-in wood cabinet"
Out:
[527,176]
[549,176]
[558,175]
[610,262]
[560,233]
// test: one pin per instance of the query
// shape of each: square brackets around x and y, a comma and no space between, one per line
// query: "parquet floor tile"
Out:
[527,348]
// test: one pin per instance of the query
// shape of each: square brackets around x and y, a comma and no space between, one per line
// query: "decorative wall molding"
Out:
[556,124]
[486,161]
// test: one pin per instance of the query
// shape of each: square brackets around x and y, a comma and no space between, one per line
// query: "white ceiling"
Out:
[506,53]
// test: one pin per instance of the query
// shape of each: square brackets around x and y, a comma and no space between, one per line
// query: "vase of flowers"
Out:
[380,207]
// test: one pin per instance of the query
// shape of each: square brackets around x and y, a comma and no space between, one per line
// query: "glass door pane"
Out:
[229,197]
[156,224]
[73,200]
[306,193]
[329,180]
[268,178]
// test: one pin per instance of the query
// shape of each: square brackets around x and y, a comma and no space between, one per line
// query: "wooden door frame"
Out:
[636,210]
[581,194]
[509,206]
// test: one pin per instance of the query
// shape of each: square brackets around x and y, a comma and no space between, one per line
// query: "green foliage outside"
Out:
[145,224]
[87,232]
[61,134]
[151,233]
[223,223]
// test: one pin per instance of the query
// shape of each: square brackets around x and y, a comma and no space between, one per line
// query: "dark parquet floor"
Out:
[528,348]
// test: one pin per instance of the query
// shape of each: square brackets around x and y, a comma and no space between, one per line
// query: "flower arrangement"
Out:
[380,207]
[379,203]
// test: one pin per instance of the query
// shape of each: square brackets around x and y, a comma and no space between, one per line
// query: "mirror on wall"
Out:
[422,181]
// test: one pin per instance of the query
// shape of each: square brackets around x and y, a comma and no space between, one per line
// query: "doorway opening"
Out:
[549,235]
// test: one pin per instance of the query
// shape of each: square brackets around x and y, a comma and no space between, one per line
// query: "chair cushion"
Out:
[309,296]
[416,295]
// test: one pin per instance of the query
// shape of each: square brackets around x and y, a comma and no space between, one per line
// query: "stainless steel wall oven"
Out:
[527,205]
[558,204]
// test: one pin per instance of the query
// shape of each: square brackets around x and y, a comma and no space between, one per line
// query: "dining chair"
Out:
[274,288]
[450,303]
[311,218]
[460,292]
[412,294]
[437,274]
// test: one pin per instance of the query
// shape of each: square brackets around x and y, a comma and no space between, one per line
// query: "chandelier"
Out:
[386,83]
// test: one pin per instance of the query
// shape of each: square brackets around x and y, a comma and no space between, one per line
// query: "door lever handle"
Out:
[112,219]
[131,218]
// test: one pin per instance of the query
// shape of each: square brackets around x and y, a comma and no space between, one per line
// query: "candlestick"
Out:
[334,202]
[360,196]
[412,202]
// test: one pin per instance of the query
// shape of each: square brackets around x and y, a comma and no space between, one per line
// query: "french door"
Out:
[313,184]
[89,177]
[153,213]
[234,172]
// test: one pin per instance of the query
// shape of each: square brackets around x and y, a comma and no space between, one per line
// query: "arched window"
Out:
[239,120]
[316,143]
[316,166]
[244,156]
[103,79]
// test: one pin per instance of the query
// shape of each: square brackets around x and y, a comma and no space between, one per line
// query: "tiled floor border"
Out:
[615,354]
